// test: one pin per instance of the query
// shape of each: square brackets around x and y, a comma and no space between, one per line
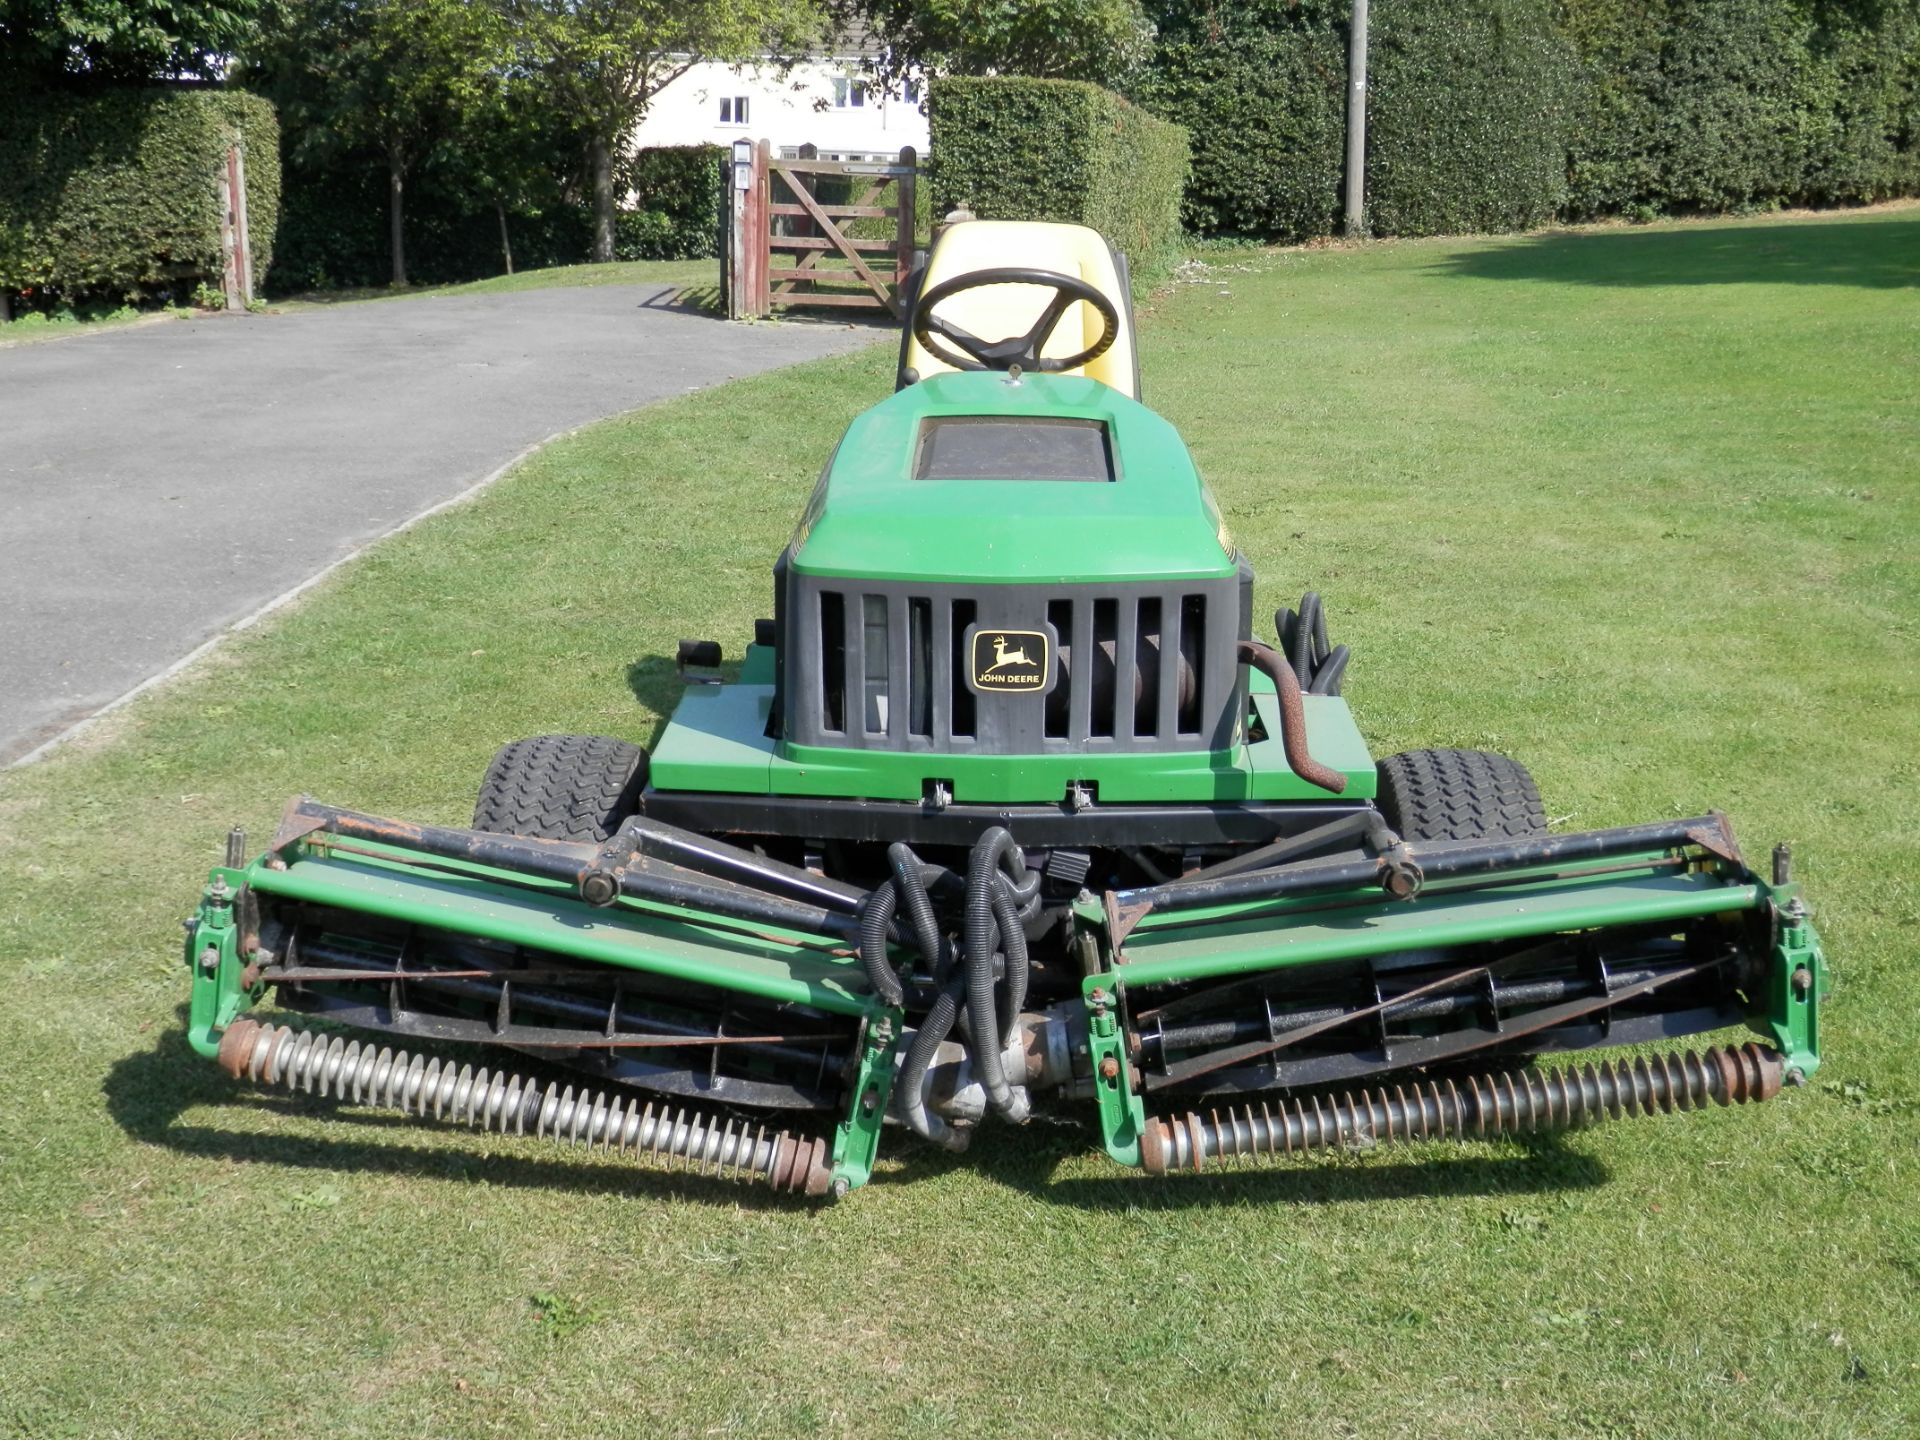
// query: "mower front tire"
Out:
[561,787]
[1459,795]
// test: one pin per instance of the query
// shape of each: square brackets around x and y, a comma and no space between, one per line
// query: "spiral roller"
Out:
[362,1074]
[1474,1107]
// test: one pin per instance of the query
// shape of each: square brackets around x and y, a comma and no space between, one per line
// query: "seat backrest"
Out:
[995,312]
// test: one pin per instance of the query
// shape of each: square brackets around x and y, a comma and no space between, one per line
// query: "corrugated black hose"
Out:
[1318,666]
[935,1026]
[1013,951]
[910,878]
[876,918]
[993,852]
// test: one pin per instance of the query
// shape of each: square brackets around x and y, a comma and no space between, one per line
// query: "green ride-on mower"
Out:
[1009,806]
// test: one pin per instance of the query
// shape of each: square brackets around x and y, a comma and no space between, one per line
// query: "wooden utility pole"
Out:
[1356,223]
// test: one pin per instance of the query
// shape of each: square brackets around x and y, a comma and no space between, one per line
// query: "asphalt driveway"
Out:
[159,484]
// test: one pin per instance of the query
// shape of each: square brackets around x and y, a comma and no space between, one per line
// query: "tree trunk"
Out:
[600,152]
[506,245]
[396,194]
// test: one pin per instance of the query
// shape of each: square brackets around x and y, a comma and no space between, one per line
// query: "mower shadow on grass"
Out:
[147,1092]
[1030,1163]
[1880,255]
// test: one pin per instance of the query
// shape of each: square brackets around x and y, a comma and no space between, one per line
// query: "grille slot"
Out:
[833,661]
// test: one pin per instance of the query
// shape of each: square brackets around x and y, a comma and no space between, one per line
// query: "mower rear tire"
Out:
[561,787]
[1459,795]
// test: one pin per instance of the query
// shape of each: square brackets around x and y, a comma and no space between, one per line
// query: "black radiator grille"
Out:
[872,664]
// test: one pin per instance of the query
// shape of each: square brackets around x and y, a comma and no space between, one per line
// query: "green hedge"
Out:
[1264,106]
[117,193]
[1468,116]
[1020,149]
[1503,114]
[676,204]
[1709,105]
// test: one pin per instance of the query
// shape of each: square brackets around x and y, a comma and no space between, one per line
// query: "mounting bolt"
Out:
[1098,999]
[1796,1076]
[218,892]
[1109,1068]
[1802,980]
[841,1187]
[209,960]
[869,1102]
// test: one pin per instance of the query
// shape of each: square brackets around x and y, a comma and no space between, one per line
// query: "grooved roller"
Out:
[361,1073]
[1484,1106]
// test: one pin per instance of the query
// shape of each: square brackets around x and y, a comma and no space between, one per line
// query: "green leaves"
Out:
[1020,149]
[123,39]
[1102,41]
[115,192]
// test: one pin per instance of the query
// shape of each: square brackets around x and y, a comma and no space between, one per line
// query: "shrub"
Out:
[117,192]
[1468,120]
[1019,149]
[1265,107]
[676,215]
[1709,105]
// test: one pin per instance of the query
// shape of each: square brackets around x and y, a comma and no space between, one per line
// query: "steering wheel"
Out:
[1022,350]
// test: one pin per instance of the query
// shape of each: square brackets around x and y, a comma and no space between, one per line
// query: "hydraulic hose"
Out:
[1326,680]
[876,918]
[911,879]
[910,882]
[1293,716]
[1013,951]
[912,1083]
[1310,639]
[992,852]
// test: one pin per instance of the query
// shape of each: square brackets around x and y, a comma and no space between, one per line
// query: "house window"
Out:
[848,93]
[733,110]
[913,92]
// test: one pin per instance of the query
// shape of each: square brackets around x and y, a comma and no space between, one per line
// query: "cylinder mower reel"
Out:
[1006,807]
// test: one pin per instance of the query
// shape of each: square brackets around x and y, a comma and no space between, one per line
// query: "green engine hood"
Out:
[869,518]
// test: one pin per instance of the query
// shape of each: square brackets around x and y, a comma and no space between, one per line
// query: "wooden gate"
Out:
[815,232]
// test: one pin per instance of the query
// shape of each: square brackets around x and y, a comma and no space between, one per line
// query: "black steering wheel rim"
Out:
[933,334]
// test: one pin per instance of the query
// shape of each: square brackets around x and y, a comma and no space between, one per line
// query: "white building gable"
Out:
[819,102]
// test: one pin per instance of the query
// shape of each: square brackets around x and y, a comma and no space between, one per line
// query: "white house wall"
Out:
[787,109]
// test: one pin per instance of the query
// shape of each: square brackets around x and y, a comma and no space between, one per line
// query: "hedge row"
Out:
[117,193]
[1723,104]
[1502,114]
[1059,150]
[676,204]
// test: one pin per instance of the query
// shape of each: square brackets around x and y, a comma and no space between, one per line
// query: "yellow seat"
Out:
[996,312]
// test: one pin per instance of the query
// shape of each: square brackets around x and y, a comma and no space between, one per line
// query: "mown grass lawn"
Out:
[1639,506]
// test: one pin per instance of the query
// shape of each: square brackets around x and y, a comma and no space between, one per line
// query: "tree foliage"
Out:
[599,63]
[1101,41]
[122,40]
[394,78]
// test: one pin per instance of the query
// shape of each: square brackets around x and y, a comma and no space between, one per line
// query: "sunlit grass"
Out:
[1638,506]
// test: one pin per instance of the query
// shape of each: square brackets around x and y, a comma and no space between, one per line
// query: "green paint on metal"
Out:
[1797,983]
[757,666]
[1382,927]
[856,1139]
[761,964]
[214,961]
[870,519]
[718,742]
[1122,1115]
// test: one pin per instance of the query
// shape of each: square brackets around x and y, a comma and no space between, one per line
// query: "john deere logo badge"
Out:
[1010,660]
